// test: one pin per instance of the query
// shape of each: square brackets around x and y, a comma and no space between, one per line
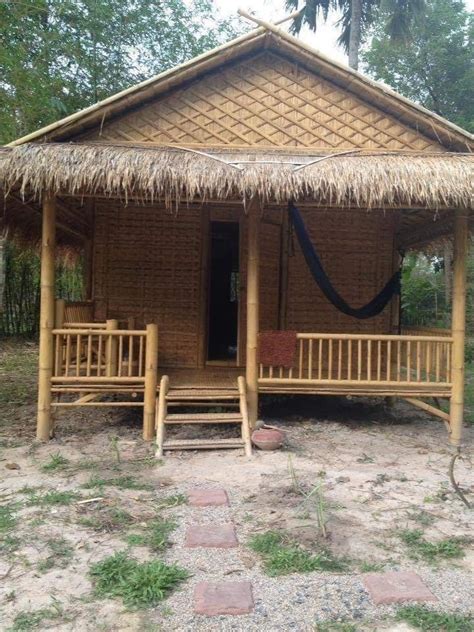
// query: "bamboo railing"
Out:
[357,360]
[88,354]
[93,362]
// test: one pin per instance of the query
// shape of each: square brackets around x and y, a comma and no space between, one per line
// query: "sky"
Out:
[325,37]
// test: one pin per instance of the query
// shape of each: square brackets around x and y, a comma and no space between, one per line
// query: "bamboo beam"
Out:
[47,314]
[253,263]
[428,408]
[151,376]
[458,326]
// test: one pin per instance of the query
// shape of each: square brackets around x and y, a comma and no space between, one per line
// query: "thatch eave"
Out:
[360,179]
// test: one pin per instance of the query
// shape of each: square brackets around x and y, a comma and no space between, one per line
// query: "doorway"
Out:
[224,284]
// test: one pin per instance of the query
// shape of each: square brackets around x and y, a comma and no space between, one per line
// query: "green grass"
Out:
[282,556]
[7,518]
[428,620]
[9,544]
[335,626]
[469,394]
[421,549]
[156,536]
[53,498]
[56,462]
[60,554]
[107,520]
[173,501]
[122,482]
[370,567]
[36,619]
[137,584]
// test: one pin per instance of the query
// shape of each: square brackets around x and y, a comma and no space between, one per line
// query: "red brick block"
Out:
[396,587]
[219,536]
[223,598]
[208,497]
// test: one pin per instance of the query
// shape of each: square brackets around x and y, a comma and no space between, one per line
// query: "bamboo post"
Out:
[458,326]
[47,314]
[111,351]
[151,376]
[161,412]
[253,262]
[59,311]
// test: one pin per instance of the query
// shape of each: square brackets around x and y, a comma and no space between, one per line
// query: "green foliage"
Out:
[122,482]
[394,17]
[60,554]
[282,556]
[335,626]
[20,315]
[138,584]
[53,497]
[7,518]
[156,536]
[432,552]
[36,619]
[428,620]
[59,56]
[56,462]
[107,520]
[434,68]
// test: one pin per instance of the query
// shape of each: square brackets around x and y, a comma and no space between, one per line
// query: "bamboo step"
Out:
[204,418]
[202,394]
[203,444]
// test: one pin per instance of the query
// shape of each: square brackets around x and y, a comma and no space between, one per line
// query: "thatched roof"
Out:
[359,179]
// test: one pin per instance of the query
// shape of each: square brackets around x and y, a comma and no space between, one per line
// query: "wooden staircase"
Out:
[203,398]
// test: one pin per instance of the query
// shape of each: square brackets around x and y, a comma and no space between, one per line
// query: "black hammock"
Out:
[374,307]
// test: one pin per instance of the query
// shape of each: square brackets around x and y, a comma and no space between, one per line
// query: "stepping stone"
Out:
[208,497]
[223,598]
[396,587]
[211,536]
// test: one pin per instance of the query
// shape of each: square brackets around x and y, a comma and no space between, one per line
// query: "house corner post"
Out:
[253,285]
[151,379]
[458,326]
[47,317]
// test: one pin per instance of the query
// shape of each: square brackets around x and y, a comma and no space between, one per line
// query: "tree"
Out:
[357,17]
[436,68]
[58,56]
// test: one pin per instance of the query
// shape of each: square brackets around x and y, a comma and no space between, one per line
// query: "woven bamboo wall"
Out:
[147,265]
[357,252]
[263,101]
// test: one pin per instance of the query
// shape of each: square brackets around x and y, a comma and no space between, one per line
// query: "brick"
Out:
[223,598]
[220,536]
[396,587]
[208,497]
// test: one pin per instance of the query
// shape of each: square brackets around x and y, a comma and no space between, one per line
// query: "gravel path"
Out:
[294,602]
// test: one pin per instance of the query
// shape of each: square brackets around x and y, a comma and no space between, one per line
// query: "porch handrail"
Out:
[366,359]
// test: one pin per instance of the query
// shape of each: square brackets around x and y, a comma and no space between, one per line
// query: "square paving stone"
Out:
[208,497]
[211,536]
[223,598]
[396,587]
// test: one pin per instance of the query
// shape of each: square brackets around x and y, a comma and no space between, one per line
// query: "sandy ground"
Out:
[378,471]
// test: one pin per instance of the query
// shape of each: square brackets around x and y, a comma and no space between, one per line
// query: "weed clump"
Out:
[137,584]
[428,620]
[282,556]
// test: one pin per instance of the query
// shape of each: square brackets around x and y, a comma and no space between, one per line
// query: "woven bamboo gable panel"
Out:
[265,100]
[357,253]
[147,265]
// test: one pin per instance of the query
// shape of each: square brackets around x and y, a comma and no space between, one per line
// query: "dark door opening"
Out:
[223,291]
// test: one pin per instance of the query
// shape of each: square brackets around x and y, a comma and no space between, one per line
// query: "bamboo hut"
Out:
[180,192]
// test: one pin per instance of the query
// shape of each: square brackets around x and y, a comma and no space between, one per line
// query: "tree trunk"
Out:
[355,33]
